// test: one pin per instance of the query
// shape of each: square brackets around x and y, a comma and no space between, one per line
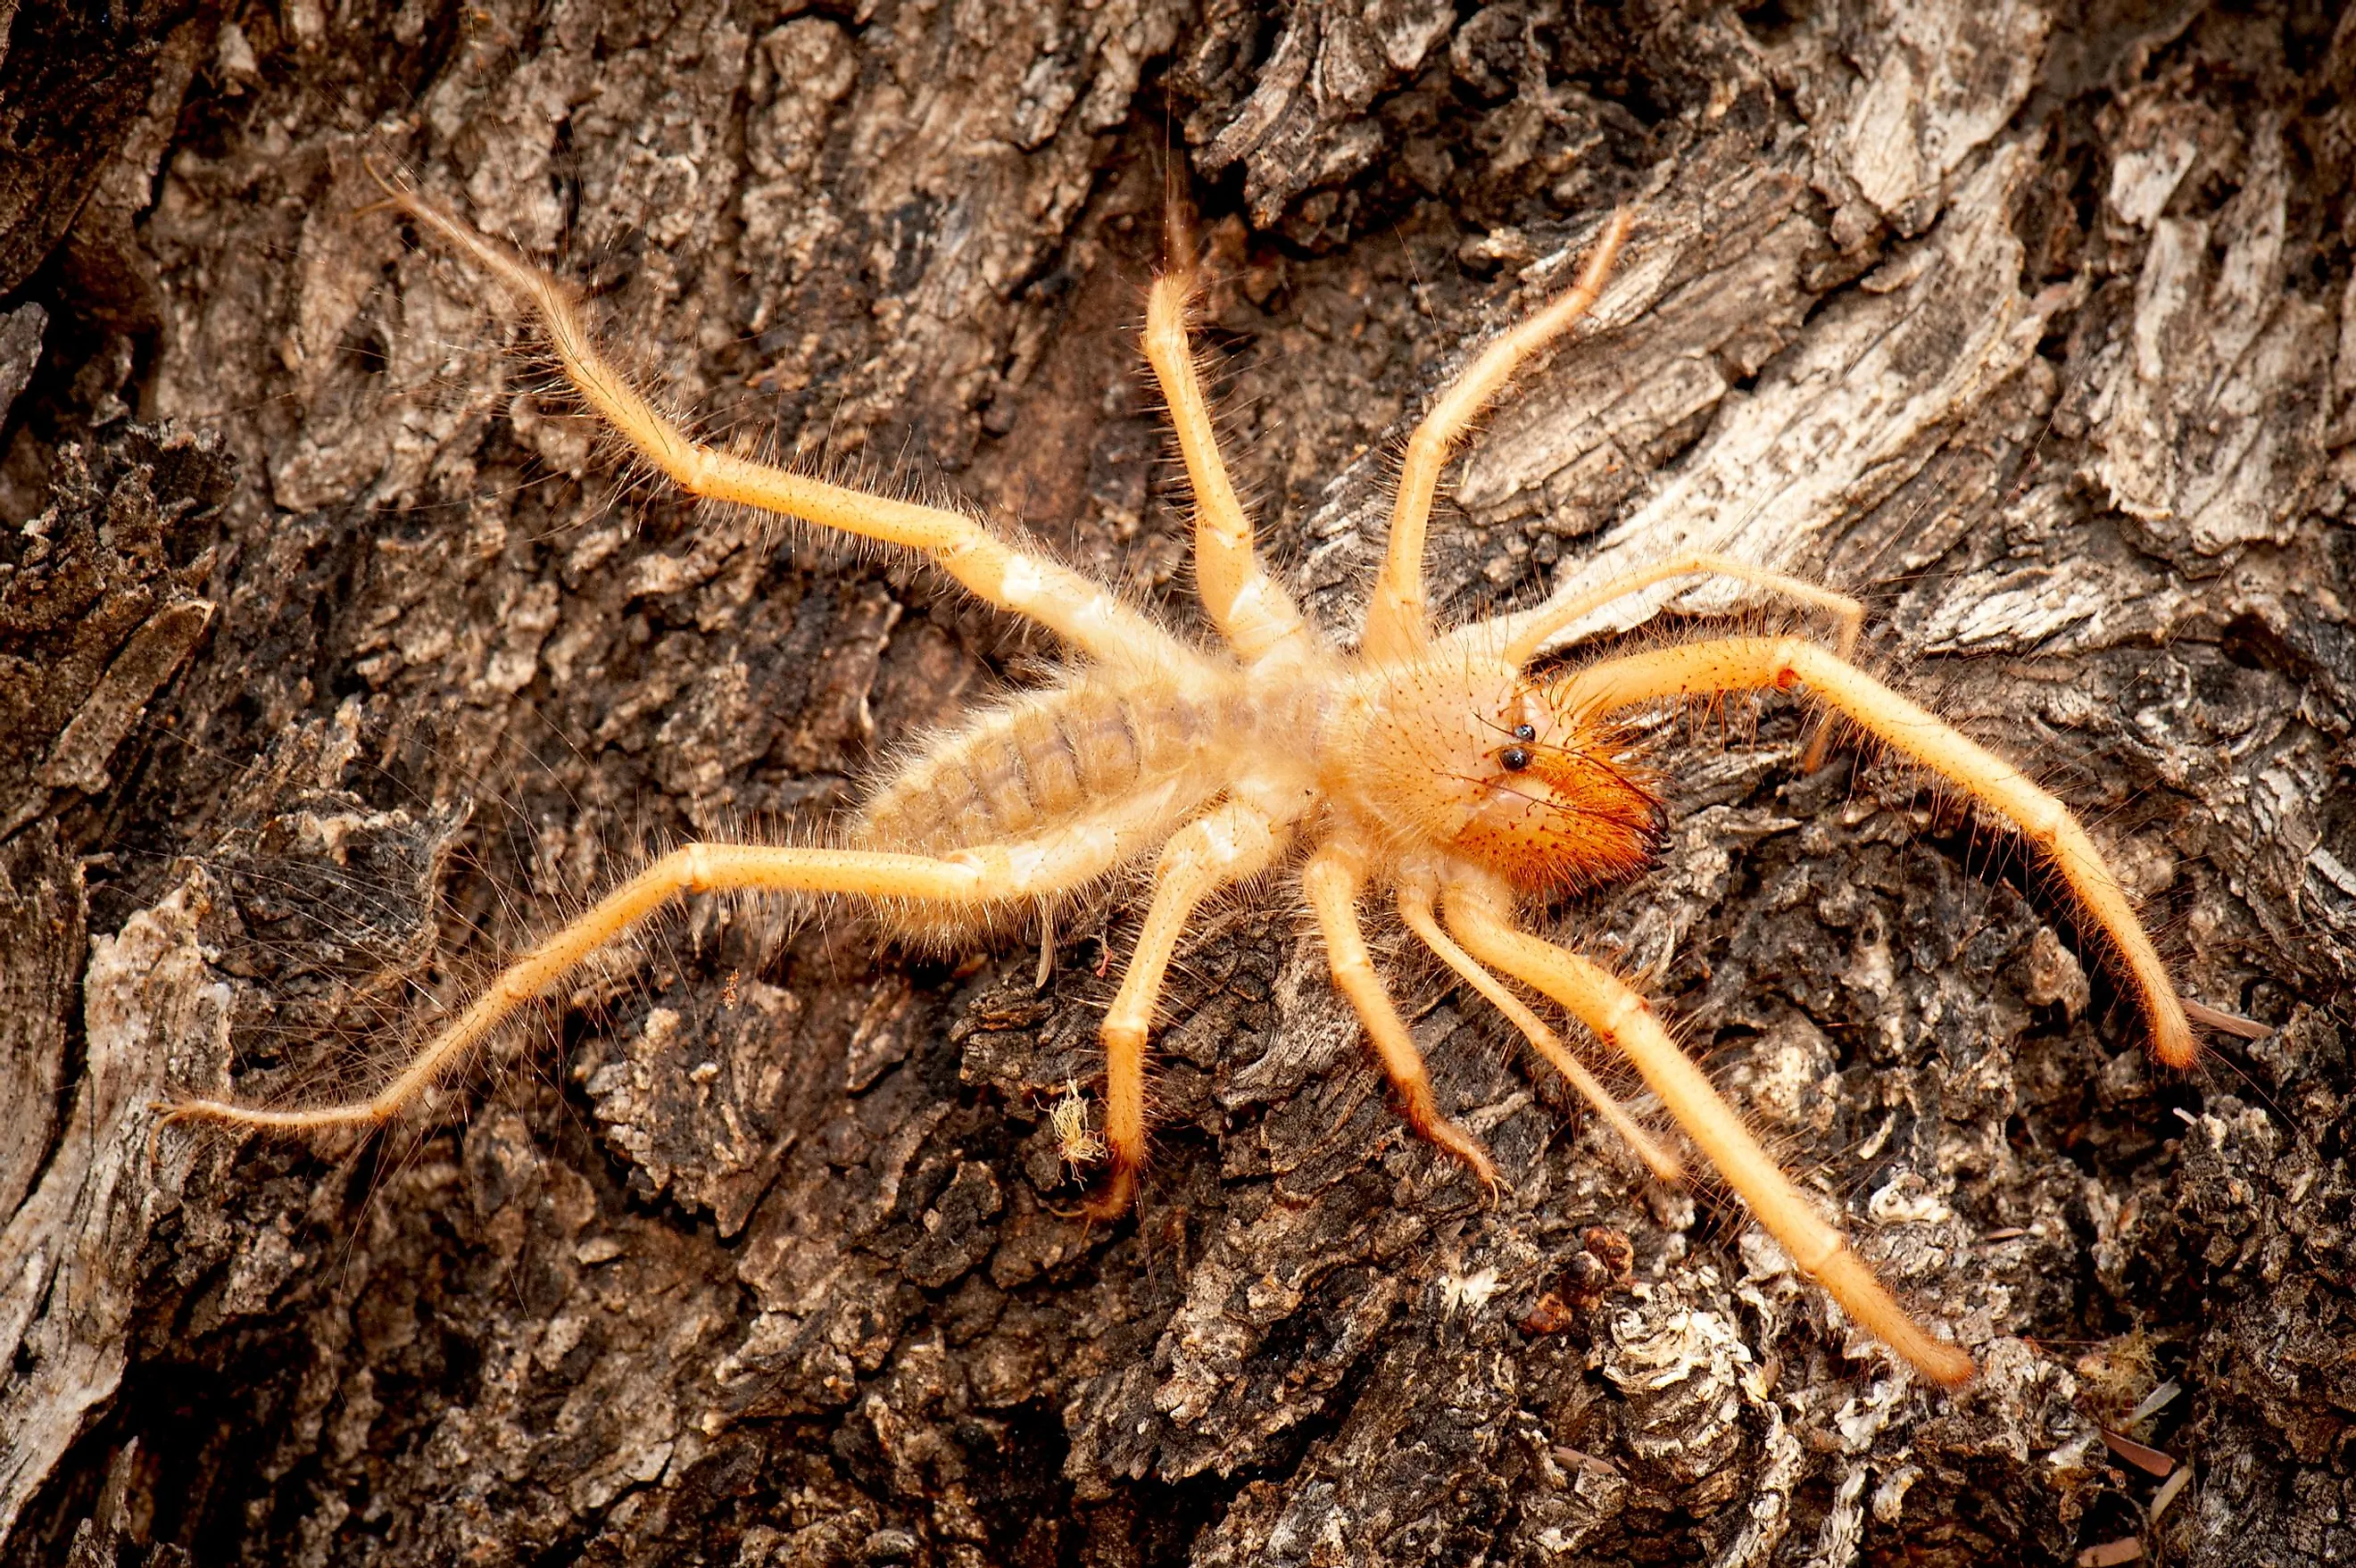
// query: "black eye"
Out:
[1526,732]
[1515,758]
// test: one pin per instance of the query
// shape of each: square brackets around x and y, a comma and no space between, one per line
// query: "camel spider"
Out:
[1431,764]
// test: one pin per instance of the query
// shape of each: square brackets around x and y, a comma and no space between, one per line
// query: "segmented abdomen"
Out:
[1036,765]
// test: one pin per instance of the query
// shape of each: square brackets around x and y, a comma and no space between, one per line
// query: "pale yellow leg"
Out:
[991,874]
[1760,663]
[1332,880]
[1057,597]
[1415,908]
[1228,846]
[1250,609]
[1398,617]
[1620,1016]
[1526,634]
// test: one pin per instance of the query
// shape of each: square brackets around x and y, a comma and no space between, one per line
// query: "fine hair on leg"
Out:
[1619,1016]
[1741,663]
[1088,618]
[985,874]
[1333,880]
[1230,844]
[1397,613]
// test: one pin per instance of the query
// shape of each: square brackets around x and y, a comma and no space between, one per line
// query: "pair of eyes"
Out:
[1516,758]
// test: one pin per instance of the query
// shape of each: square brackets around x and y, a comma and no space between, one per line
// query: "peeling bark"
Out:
[336,657]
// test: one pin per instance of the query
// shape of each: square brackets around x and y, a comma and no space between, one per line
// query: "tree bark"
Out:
[337,657]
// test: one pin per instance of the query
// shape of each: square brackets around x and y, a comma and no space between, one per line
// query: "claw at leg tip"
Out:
[1955,1370]
[1112,1200]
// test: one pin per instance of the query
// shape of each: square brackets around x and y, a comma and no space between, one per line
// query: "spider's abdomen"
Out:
[1041,762]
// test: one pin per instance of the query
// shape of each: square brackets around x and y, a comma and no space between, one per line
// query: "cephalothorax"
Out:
[1432,766]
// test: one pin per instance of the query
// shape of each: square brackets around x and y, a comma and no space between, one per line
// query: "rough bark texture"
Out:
[334,661]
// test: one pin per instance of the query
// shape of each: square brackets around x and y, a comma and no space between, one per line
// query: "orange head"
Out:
[1468,757]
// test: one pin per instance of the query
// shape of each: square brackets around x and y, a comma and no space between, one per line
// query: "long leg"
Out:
[1526,634]
[1398,617]
[1333,879]
[991,874]
[1232,844]
[1055,596]
[1250,609]
[1620,1016]
[1760,663]
[1415,908]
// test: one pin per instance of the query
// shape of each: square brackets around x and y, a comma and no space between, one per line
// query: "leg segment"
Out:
[1527,634]
[1251,611]
[1066,603]
[1398,617]
[1758,663]
[1333,879]
[1619,1016]
[988,874]
[1231,843]
[1415,908]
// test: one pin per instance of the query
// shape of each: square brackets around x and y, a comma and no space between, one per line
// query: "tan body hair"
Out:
[1433,766]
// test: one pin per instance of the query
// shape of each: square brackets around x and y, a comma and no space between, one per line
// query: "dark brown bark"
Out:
[334,661]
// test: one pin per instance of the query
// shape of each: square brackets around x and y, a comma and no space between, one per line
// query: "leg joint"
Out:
[2047,821]
[1219,844]
[1429,444]
[1791,656]
[1626,1014]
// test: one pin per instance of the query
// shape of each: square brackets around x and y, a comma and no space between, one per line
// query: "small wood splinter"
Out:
[1433,765]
